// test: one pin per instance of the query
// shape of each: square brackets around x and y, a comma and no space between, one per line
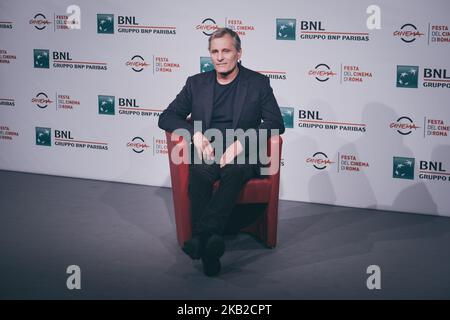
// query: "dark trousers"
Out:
[211,210]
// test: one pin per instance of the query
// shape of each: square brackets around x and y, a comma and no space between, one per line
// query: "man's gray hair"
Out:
[219,33]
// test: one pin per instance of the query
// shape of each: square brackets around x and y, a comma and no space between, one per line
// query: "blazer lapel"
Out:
[208,90]
[241,93]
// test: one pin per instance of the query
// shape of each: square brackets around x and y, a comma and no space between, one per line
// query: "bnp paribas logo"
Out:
[105,23]
[206,64]
[286,29]
[43,136]
[403,168]
[106,105]
[407,76]
[288,116]
[41,58]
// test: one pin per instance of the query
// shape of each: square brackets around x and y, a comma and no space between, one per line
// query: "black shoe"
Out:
[193,248]
[211,266]
[214,247]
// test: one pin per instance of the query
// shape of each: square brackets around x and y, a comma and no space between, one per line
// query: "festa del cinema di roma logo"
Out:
[138,145]
[319,160]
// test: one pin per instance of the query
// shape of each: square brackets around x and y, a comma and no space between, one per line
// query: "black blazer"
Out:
[256,106]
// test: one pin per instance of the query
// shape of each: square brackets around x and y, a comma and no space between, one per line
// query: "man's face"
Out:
[223,54]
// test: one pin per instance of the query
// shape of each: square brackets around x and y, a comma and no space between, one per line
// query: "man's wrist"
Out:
[196,135]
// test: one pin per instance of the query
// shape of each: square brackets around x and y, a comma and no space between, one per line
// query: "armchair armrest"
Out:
[179,175]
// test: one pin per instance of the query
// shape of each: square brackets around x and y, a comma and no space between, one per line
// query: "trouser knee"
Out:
[200,178]
[236,173]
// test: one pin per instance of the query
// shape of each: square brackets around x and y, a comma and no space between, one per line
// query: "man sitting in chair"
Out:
[227,99]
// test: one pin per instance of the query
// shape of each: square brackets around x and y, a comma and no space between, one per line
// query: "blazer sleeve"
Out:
[270,111]
[270,118]
[174,117]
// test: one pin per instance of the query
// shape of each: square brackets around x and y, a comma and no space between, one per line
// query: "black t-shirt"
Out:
[222,115]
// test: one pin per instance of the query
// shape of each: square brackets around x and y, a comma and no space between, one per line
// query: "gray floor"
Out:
[122,236]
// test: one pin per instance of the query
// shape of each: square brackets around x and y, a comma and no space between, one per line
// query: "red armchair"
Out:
[258,190]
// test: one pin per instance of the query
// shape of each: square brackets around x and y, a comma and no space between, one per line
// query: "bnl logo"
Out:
[206,64]
[407,76]
[43,136]
[288,116]
[41,58]
[403,168]
[106,105]
[105,23]
[285,29]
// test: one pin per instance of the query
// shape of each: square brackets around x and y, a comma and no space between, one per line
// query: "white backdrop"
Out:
[367,109]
